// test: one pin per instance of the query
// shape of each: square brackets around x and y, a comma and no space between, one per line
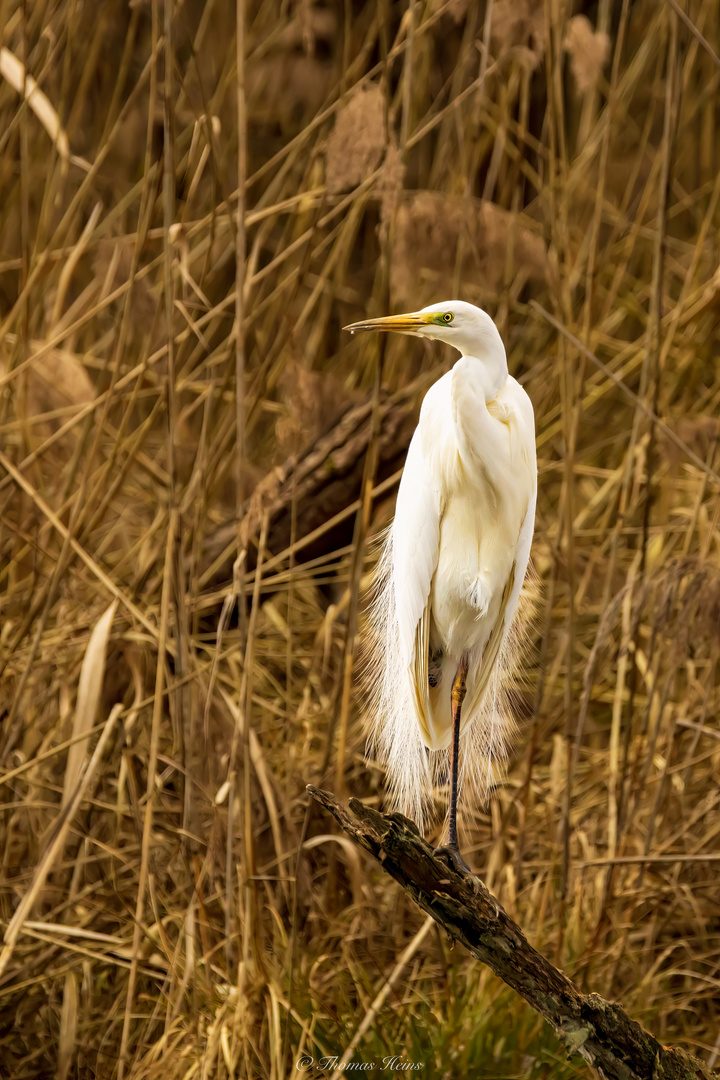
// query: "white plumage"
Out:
[453,565]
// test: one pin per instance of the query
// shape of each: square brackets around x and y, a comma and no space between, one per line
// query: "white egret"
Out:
[453,566]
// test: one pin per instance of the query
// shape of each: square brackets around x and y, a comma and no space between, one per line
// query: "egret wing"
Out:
[490,651]
[400,616]
[416,542]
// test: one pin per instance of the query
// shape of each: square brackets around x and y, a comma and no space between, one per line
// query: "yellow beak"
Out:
[404,324]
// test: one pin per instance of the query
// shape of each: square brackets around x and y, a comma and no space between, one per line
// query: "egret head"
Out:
[467,328]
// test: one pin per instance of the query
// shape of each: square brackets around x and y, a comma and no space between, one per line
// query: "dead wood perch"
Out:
[601,1031]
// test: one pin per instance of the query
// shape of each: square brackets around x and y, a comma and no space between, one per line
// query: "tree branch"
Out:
[601,1031]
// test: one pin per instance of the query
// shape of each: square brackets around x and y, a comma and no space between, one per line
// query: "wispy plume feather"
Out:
[415,775]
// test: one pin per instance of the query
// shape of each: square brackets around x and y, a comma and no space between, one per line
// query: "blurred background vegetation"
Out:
[194,464]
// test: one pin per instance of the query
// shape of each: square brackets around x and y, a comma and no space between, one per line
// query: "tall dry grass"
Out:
[170,905]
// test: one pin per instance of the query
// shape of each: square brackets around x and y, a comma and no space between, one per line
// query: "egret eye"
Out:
[448,316]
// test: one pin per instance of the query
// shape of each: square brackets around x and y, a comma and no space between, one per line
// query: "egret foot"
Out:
[450,854]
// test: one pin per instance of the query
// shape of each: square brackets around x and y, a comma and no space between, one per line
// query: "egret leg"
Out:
[457,696]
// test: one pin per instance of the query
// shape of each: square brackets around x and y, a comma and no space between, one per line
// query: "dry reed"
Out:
[170,905]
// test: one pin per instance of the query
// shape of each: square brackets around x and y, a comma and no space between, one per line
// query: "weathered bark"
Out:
[601,1031]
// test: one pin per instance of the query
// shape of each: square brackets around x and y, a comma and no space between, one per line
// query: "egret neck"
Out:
[482,345]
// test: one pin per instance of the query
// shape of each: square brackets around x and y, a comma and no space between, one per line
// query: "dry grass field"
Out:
[194,462]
